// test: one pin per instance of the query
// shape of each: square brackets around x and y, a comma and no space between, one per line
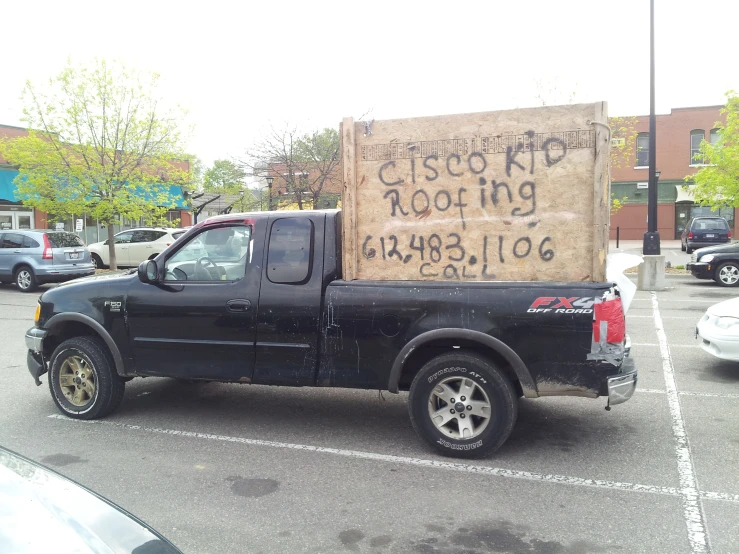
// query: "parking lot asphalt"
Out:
[239,468]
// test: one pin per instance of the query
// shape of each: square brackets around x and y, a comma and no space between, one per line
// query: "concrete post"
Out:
[652,274]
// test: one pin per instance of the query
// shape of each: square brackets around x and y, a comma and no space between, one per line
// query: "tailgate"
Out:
[68,249]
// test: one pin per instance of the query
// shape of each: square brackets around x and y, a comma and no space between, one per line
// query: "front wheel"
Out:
[462,405]
[83,380]
[682,246]
[727,274]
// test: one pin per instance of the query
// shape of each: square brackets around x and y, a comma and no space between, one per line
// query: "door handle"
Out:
[238,305]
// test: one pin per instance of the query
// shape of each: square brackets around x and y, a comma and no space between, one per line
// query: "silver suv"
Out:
[32,258]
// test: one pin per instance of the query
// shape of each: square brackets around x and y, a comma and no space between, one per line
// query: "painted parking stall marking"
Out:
[435,464]
[692,507]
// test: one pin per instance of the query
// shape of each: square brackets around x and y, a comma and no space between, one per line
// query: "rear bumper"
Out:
[35,359]
[696,245]
[55,274]
[621,387]
[700,270]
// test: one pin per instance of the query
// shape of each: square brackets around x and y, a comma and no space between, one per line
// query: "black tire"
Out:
[97,261]
[25,279]
[485,376]
[688,250]
[725,281]
[682,246]
[109,387]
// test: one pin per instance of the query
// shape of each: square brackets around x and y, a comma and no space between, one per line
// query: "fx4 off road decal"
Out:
[562,305]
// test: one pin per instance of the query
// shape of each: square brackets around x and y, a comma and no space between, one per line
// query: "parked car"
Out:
[259,298]
[133,246]
[34,257]
[720,263]
[42,511]
[718,330]
[704,231]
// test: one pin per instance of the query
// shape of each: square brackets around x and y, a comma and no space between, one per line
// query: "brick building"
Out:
[14,215]
[679,135]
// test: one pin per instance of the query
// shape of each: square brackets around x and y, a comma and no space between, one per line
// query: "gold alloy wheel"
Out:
[77,380]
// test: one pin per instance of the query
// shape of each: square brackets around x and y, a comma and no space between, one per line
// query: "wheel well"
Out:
[430,350]
[19,265]
[63,331]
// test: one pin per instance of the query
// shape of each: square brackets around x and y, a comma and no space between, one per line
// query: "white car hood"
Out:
[727,308]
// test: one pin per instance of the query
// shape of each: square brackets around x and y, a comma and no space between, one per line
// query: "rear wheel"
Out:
[462,405]
[688,250]
[25,279]
[682,246]
[83,380]
[727,274]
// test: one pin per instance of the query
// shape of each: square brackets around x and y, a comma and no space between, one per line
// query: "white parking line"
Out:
[628,316]
[671,346]
[435,464]
[704,394]
[692,507]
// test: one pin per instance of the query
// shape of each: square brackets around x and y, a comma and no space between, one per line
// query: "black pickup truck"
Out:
[258,298]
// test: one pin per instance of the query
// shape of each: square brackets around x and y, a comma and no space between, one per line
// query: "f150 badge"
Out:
[114,306]
[562,305]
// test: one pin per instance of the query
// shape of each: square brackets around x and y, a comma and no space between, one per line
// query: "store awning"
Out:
[7,188]
[684,193]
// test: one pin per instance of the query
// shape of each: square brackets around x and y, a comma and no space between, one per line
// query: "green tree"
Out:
[100,142]
[300,164]
[717,184]
[225,177]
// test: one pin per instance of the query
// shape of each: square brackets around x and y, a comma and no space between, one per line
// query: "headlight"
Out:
[707,258]
[727,322]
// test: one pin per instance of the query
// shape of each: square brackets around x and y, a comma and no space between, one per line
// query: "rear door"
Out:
[290,301]
[142,245]
[68,249]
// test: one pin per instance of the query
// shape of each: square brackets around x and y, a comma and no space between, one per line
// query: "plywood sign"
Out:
[519,195]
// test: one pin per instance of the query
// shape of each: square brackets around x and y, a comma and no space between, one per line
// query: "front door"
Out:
[15,220]
[200,321]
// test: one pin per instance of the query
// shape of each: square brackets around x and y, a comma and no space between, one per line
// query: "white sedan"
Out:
[718,330]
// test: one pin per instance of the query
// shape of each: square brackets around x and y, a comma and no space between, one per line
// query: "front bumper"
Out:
[621,387]
[723,346]
[700,270]
[35,358]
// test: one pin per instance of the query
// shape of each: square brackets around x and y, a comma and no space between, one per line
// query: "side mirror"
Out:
[149,272]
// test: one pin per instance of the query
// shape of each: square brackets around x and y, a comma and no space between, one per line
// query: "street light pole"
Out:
[270,180]
[651,237]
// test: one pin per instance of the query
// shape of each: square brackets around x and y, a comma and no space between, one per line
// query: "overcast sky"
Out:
[239,66]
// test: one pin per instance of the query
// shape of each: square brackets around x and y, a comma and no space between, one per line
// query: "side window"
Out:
[642,150]
[123,238]
[146,236]
[28,242]
[219,254]
[290,251]
[12,240]
[696,137]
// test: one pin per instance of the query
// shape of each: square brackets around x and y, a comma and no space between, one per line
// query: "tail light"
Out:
[48,253]
[690,235]
[729,234]
[610,312]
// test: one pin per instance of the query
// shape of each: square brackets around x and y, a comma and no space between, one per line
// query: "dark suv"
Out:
[704,231]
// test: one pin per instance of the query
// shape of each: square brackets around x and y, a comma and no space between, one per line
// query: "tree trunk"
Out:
[269,197]
[111,247]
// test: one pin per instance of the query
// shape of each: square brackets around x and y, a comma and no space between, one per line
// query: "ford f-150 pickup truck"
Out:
[258,298]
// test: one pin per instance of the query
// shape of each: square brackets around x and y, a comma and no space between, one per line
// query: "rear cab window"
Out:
[290,254]
[64,240]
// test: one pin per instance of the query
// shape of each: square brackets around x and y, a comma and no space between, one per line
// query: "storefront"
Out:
[13,215]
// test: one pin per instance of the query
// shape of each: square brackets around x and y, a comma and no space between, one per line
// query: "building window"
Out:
[714,136]
[696,137]
[642,150]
